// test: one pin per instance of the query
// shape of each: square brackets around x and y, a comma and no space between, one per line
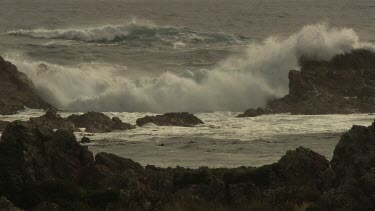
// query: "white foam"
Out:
[238,83]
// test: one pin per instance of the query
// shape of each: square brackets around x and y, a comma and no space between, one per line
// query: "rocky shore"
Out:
[40,168]
[17,91]
[95,122]
[343,85]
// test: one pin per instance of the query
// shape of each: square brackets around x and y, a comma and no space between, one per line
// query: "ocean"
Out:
[214,58]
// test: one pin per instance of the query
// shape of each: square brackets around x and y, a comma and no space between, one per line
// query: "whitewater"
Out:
[223,141]
[212,58]
[247,80]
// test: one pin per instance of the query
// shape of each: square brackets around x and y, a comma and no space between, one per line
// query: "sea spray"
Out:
[240,82]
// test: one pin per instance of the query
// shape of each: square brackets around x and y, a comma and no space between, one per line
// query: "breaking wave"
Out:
[132,33]
[240,82]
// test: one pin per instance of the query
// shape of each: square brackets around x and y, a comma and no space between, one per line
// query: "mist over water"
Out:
[242,81]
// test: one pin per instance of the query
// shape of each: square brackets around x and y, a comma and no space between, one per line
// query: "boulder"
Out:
[255,112]
[95,122]
[85,140]
[17,91]
[52,120]
[305,167]
[182,119]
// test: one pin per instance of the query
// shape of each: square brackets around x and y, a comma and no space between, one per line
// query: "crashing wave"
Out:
[132,32]
[240,82]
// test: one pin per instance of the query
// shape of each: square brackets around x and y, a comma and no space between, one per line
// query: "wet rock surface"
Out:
[343,85]
[17,91]
[95,122]
[182,119]
[255,112]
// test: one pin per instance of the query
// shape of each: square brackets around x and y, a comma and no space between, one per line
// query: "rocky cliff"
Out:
[16,90]
[345,84]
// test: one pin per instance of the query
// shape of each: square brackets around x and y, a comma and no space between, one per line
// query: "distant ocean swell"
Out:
[240,82]
[132,33]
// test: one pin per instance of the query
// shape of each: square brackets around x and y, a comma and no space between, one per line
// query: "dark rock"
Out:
[17,91]
[6,205]
[46,206]
[38,166]
[116,163]
[52,120]
[95,122]
[43,154]
[305,167]
[181,119]
[343,85]
[255,112]
[354,155]
[85,140]
[3,125]
[354,164]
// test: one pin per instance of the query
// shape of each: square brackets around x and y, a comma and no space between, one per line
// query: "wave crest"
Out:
[133,32]
[240,82]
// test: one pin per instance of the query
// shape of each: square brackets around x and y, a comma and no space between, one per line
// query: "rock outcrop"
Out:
[41,168]
[354,165]
[44,154]
[95,122]
[305,167]
[182,119]
[52,120]
[345,84]
[17,91]
[254,112]
[38,165]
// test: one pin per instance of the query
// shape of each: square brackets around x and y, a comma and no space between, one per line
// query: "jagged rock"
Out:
[52,120]
[3,125]
[44,154]
[354,164]
[6,205]
[85,140]
[40,165]
[343,85]
[17,91]
[181,119]
[95,122]
[255,112]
